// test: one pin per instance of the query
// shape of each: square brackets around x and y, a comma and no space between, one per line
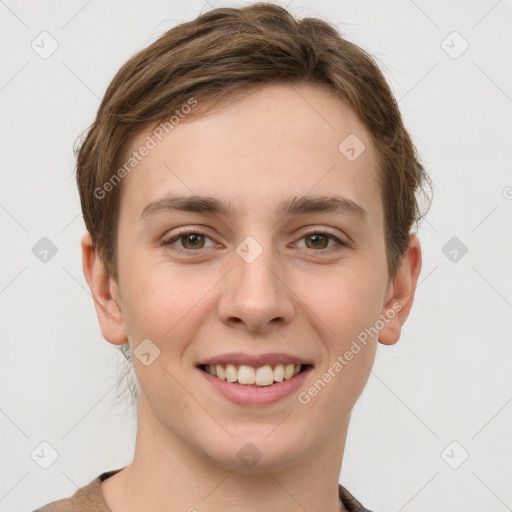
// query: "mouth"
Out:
[255,376]
[255,380]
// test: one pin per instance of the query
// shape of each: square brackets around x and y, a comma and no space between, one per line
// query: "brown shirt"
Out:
[90,499]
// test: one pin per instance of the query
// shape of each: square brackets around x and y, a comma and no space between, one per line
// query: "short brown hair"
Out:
[228,50]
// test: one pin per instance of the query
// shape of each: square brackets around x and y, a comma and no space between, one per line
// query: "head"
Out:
[302,186]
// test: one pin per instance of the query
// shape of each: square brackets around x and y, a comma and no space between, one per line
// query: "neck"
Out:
[168,474]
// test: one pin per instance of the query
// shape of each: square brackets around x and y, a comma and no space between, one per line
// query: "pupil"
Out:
[192,239]
[317,240]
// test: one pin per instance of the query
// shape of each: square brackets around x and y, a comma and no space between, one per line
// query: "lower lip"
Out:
[257,395]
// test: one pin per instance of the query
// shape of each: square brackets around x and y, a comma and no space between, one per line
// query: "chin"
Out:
[252,451]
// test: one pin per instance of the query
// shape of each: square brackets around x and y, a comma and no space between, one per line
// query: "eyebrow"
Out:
[292,206]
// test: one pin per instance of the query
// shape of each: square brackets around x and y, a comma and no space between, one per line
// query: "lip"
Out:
[271,358]
[242,394]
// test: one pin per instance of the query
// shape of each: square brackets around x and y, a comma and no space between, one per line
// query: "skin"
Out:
[295,297]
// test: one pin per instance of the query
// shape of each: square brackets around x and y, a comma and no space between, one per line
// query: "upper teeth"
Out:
[262,376]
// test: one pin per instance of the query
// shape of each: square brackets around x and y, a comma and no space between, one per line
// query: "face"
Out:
[258,280]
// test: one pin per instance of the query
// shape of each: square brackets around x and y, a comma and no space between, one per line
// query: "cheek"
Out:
[163,303]
[346,299]
[162,308]
[348,307]
[347,304]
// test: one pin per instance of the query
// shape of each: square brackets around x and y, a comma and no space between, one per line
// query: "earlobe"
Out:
[104,292]
[400,297]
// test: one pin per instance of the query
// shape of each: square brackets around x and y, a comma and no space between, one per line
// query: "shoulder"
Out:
[63,505]
[86,499]
[350,502]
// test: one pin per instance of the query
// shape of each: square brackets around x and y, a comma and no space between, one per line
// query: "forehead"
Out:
[272,143]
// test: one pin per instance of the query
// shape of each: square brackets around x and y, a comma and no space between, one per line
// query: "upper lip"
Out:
[270,358]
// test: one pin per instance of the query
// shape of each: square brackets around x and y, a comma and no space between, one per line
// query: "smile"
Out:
[255,379]
[254,376]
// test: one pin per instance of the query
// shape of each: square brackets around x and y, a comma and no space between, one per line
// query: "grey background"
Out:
[448,378]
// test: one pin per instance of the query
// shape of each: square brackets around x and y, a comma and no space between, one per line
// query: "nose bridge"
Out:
[256,294]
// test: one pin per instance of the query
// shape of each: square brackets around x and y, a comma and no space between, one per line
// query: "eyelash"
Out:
[180,234]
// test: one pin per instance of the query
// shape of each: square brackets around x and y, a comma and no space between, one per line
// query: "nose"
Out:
[256,295]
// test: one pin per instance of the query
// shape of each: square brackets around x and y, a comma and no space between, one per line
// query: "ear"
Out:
[400,293]
[105,293]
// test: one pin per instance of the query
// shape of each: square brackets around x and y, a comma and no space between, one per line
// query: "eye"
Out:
[191,239]
[317,239]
